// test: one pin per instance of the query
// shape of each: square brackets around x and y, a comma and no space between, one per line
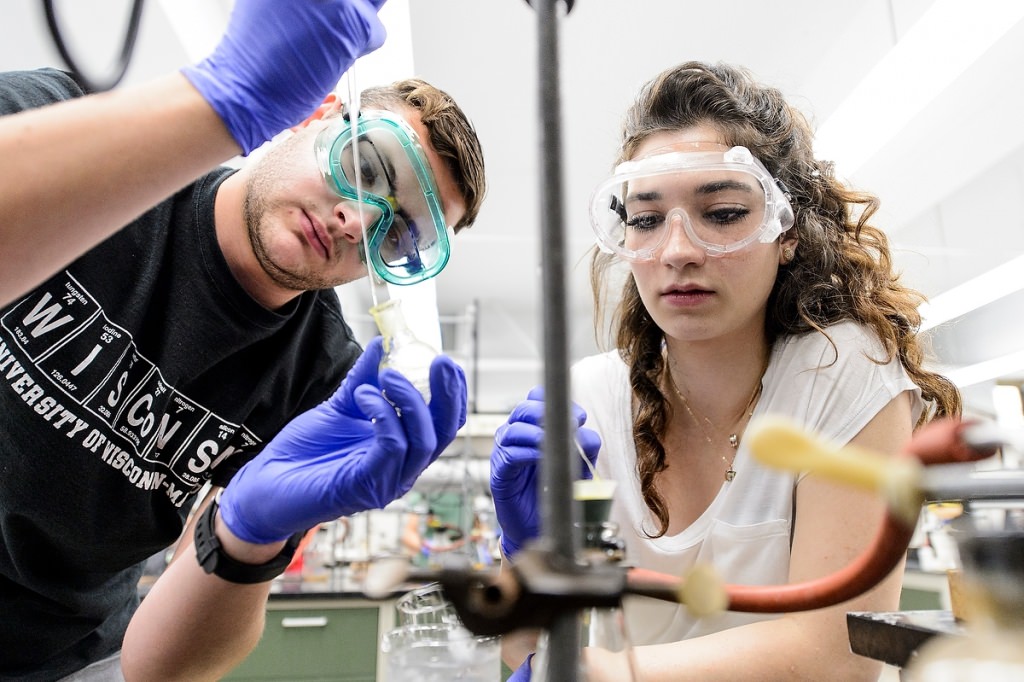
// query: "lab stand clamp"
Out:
[543,584]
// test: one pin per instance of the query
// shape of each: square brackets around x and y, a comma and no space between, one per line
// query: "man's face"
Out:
[304,236]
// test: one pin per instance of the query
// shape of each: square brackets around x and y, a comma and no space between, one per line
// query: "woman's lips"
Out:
[687,296]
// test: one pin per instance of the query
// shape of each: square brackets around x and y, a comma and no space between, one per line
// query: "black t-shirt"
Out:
[127,381]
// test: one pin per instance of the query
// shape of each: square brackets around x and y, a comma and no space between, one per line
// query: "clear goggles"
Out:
[401,205]
[723,197]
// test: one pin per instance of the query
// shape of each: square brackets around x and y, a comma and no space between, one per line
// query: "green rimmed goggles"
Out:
[401,205]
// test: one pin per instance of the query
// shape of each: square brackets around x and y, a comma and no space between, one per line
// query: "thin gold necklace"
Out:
[734,437]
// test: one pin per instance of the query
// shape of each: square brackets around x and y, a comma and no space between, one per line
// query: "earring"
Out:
[787,254]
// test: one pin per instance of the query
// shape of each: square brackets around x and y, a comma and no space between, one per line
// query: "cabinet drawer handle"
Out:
[306,622]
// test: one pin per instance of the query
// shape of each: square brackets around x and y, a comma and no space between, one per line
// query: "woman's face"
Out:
[694,297]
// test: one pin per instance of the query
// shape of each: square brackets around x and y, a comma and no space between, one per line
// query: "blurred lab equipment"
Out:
[124,57]
[430,644]
[992,647]
[599,627]
[540,586]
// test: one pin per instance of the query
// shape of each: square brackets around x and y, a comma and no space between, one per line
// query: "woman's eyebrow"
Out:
[706,188]
[723,185]
[648,195]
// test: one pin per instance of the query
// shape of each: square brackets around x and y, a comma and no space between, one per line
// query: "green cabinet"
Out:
[924,591]
[323,641]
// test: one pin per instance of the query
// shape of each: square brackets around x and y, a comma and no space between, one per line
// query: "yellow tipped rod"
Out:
[703,592]
[781,443]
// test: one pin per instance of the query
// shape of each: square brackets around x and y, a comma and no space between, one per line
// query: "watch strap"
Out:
[213,559]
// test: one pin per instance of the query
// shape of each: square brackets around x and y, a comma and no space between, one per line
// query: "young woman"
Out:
[754,284]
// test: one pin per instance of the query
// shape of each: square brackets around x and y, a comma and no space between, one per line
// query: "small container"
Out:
[403,350]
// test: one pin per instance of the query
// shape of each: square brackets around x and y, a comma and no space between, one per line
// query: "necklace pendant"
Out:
[734,441]
[730,474]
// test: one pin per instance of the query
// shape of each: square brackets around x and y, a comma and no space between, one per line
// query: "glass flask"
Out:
[603,632]
[992,646]
[426,606]
[430,644]
[403,350]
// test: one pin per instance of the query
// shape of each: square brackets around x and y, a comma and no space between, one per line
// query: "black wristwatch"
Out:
[214,559]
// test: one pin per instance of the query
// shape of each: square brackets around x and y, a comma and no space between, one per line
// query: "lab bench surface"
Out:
[330,583]
[893,637]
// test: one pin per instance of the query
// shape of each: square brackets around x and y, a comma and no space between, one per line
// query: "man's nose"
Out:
[355,218]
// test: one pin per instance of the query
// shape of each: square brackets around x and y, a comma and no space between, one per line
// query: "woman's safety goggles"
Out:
[400,203]
[723,198]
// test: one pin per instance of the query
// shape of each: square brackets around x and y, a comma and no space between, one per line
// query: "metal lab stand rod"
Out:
[557,507]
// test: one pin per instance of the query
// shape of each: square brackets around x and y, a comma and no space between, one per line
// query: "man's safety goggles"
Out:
[724,199]
[401,205]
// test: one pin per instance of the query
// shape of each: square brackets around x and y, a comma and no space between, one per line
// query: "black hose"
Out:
[88,84]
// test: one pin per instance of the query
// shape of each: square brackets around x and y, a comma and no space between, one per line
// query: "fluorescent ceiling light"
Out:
[937,49]
[989,370]
[1002,281]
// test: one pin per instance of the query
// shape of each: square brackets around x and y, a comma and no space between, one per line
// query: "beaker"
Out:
[440,652]
[426,606]
[431,644]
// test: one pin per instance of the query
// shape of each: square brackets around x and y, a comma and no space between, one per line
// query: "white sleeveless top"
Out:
[745,531]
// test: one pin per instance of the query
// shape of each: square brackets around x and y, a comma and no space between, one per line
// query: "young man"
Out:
[198,344]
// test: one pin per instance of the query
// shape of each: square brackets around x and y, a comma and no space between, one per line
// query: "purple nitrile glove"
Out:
[514,470]
[278,60]
[523,673]
[360,449]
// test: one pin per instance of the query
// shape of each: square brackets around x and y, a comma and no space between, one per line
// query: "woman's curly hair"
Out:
[842,269]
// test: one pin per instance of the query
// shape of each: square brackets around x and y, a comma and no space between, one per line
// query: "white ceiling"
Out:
[949,173]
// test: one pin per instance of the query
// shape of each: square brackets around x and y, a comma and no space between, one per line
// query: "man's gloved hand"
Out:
[514,470]
[278,60]
[351,453]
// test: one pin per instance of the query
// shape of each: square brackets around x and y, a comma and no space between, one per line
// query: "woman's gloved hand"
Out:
[514,470]
[278,60]
[523,673]
[360,449]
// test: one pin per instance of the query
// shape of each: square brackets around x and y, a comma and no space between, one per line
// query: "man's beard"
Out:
[253,211]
